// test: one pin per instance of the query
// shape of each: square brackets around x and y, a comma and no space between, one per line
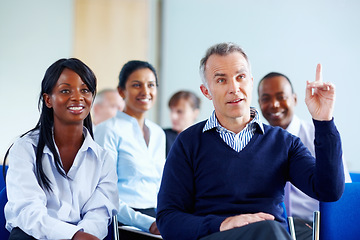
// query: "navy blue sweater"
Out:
[205,181]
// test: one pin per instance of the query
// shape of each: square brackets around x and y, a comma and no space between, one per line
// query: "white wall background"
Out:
[290,37]
[33,35]
[280,35]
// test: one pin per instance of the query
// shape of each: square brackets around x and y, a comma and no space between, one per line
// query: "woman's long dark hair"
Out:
[46,120]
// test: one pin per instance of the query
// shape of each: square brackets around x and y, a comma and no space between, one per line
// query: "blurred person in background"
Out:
[184,109]
[107,102]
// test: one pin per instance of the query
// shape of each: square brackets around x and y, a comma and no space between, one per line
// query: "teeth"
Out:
[235,101]
[75,108]
[276,114]
[145,100]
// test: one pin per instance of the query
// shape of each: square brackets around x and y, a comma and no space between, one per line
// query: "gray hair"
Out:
[99,99]
[222,49]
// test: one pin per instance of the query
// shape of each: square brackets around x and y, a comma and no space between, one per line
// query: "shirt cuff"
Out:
[65,230]
[140,220]
[145,222]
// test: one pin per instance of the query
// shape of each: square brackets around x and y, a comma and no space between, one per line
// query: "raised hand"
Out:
[320,97]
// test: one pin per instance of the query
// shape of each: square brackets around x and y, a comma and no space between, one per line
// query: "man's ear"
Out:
[47,100]
[205,92]
[196,113]
[121,92]
[295,98]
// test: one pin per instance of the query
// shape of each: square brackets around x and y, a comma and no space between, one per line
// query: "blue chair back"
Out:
[339,220]
[284,214]
[4,234]
[355,177]
[2,181]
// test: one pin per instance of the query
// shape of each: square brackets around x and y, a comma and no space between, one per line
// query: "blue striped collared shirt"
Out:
[240,140]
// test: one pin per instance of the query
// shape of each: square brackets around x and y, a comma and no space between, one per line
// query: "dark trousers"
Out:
[129,235]
[264,230]
[148,211]
[18,234]
[303,229]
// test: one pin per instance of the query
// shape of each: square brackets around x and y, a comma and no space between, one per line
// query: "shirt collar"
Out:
[294,126]
[131,119]
[212,121]
[88,143]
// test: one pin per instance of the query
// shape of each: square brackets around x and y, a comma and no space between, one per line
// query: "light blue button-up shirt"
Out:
[86,200]
[139,167]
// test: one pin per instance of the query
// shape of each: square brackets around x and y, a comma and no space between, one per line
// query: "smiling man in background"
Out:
[277,101]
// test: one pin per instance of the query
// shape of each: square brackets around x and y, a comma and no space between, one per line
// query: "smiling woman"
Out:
[137,145]
[70,98]
[55,158]
[139,92]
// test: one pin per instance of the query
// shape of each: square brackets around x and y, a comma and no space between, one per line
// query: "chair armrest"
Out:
[316,226]
[291,228]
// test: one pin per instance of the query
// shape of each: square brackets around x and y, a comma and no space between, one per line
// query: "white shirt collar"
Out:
[294,126]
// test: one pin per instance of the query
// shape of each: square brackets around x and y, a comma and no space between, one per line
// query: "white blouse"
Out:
[86,200]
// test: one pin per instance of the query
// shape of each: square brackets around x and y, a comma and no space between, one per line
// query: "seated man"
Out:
[224,178]
[277,101]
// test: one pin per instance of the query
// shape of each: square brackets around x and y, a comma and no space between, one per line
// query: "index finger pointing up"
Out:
[318,77]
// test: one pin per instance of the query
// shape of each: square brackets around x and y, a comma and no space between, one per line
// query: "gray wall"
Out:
[33,34]
[290,37]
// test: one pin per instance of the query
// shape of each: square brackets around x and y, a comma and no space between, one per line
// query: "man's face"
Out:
[229,87]
[112,103]
[107,108]
[182,115]
[277,102]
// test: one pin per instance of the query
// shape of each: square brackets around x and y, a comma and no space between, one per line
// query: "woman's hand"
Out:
[153,229]
[80,235]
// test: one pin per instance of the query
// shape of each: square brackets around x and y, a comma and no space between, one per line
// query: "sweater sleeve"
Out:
[175,218]
[324,179]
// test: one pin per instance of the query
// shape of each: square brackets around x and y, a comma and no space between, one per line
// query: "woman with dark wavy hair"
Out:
[50,194]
